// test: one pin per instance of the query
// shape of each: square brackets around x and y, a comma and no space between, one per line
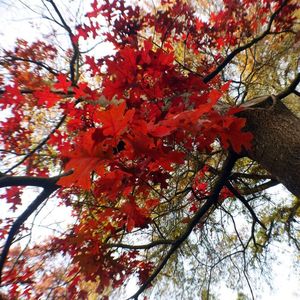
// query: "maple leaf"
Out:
[184,119]
[62,83]
[114,120]
[160,130]
[215,95]
[45,96]
[145,55]
[136,216]
[95,12]
[13,196]
[234,135]
[87,156]
[225,87]
[12,95]
[111,184]
[144,270]
[151,203]
[92,65]
[80,33]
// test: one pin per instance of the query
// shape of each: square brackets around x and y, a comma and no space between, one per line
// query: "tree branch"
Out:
[237,175]
[204,210]
[49,188]
[290,89]
[44,182]
[246,204]
[76,52]
[259,188]
[236,51]
[146,246]
[20,221]
[39,146]
[12,58]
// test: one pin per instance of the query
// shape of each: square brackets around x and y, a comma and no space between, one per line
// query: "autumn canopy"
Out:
[161,150]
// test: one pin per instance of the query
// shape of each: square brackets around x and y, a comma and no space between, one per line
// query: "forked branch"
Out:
[49,188]
[203,212]
[238,50]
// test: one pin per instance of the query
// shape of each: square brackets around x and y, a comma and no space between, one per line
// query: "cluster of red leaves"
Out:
[19,63]
[96,262]
[5,226]
[13,197]
[17,124]
[32,273]
[135,142]
[155,114]
[21,274]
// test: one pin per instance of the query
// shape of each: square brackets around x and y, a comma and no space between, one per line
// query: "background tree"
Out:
[162,149]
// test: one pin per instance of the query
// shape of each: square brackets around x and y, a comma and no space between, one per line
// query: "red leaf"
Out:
[87,156]
[13,196]
[136,216]
[93,66]
[115,120]
[62,83]
[234,135]
[215,95]
[160,131]
[225,86]
[152,203]
[45,96]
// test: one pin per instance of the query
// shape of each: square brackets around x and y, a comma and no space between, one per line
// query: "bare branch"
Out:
[146,246]
[237,175]
[290,89]
[39,146]
[20,221]
[204,210]
[236,51]
[44,182]
[259,188]
[246,204]
[12,58]
[49,188]
[76,52]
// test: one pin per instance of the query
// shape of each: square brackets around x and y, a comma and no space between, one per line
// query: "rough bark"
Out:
[276,144]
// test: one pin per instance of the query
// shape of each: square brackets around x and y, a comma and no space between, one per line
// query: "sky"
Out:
[20,22]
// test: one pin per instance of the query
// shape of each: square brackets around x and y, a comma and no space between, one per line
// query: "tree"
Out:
[171,139]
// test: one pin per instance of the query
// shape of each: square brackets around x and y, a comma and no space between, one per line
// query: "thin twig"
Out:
[290,89]
[48,190]
[204,210]
[236,51]
[76,52]
[246,204]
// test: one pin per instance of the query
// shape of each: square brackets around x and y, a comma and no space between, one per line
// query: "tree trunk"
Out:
[276,144]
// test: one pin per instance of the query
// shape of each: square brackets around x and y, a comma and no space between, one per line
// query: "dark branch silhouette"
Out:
[202,212]
[49,185]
